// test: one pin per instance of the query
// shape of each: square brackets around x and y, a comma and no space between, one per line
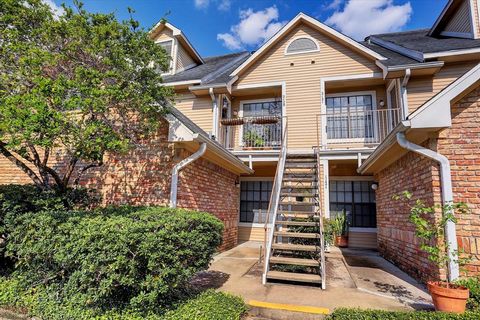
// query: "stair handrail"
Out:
[275,200]
[320,216]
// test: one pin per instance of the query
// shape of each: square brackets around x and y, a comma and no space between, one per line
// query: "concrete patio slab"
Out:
[356,279]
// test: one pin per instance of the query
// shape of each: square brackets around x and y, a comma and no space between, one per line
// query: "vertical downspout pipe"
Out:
[178,167]
[447,198]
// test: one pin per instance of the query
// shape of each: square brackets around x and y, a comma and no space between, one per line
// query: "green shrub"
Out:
[209,305]
[127,258]
[473,284]
[358,314]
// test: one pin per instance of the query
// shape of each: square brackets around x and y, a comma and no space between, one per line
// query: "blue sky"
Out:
[222,26]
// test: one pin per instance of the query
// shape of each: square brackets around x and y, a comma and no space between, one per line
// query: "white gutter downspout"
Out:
[405,110]
[179,166]
[447,198]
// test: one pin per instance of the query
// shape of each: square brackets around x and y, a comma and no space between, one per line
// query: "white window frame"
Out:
[394,85]
[373,94]
[240,114]
[172,55]
[252,224]
[301,52]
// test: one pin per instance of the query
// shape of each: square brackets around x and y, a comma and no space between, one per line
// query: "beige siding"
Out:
[421,89]
[184,60]
[303,79]
[461,20]
[165,34]
[251,233]
[476,17]
[367,240]
[198,109]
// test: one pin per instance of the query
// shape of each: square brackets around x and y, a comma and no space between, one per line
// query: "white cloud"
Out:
[335,4]
[361,18]
[224,5]
[202,4]
[254,28]
[229,41]
[56,10]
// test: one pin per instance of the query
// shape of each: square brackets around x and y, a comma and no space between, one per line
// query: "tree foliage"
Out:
[74,87]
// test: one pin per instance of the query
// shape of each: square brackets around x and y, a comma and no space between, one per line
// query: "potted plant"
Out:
[446,296]
[327,233]
[252,139]
[339,225]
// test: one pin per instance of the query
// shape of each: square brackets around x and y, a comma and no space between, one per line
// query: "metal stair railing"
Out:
[323,272]
[275,201]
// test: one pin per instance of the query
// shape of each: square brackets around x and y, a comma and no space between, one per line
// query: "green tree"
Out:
[75,87]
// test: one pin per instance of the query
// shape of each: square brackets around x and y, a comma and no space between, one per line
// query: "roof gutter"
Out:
[178,167]
[447,198]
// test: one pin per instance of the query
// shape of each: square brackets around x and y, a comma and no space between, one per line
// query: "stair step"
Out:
[297,223]
[297,234]
[298,194]
[295,247]
[301,160]
[292,276]
[301,165]
[294,261]
[295,178]
[295,203]
[298,214]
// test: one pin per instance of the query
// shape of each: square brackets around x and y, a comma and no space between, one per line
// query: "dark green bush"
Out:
[209,305]
[358,314]
[473,284]
[127,258]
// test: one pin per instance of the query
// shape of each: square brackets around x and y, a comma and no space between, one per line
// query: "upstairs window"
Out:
[302,45]
[168,47]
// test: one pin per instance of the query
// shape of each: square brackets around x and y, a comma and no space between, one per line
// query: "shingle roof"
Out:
[393,58]
[419,40]
[211,65]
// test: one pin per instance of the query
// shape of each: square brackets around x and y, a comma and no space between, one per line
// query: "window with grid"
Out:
[254,199]
[168,47]
[350,117]
[357,199]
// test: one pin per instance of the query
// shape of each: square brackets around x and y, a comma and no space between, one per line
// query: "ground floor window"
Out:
[357,199]
[254,199]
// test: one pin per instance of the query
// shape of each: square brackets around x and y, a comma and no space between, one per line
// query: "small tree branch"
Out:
[68,172]
[31,174]
[84,169]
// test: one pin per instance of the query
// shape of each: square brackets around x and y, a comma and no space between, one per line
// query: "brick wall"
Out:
[143,177]
[396,238]
[461,144]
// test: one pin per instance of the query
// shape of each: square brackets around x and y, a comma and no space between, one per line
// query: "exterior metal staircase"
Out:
[295,243]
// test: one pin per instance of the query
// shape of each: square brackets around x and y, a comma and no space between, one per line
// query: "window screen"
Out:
[302,45]
[357,199]
[254,199]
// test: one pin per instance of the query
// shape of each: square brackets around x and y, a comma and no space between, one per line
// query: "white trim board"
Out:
[303,17]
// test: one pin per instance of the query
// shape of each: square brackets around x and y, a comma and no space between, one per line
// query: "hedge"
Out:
[473,284]
[209,305]
[358,314]
[124,258]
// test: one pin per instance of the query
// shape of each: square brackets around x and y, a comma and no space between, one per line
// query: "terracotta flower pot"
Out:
[341,241]
[452,299]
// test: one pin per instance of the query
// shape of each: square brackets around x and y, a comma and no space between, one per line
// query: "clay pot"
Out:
[341,241]
[452,299]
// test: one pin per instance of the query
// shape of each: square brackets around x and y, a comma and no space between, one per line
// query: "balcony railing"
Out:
[355,126]
[252,133]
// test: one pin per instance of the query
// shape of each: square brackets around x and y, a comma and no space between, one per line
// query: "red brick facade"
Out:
[143,177]
[461,145]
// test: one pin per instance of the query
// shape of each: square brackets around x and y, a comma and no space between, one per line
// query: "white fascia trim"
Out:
[464,35]
[416,55]
[440,103]
[300,52]
[440,17]
[423,65]
[181,83]
[354,77]
[473,23]
[316,23]
[451,53]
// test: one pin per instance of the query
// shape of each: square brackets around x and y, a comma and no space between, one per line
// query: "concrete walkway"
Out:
[355,278]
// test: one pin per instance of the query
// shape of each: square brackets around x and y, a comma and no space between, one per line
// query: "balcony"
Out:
[252,133]
[351,127]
